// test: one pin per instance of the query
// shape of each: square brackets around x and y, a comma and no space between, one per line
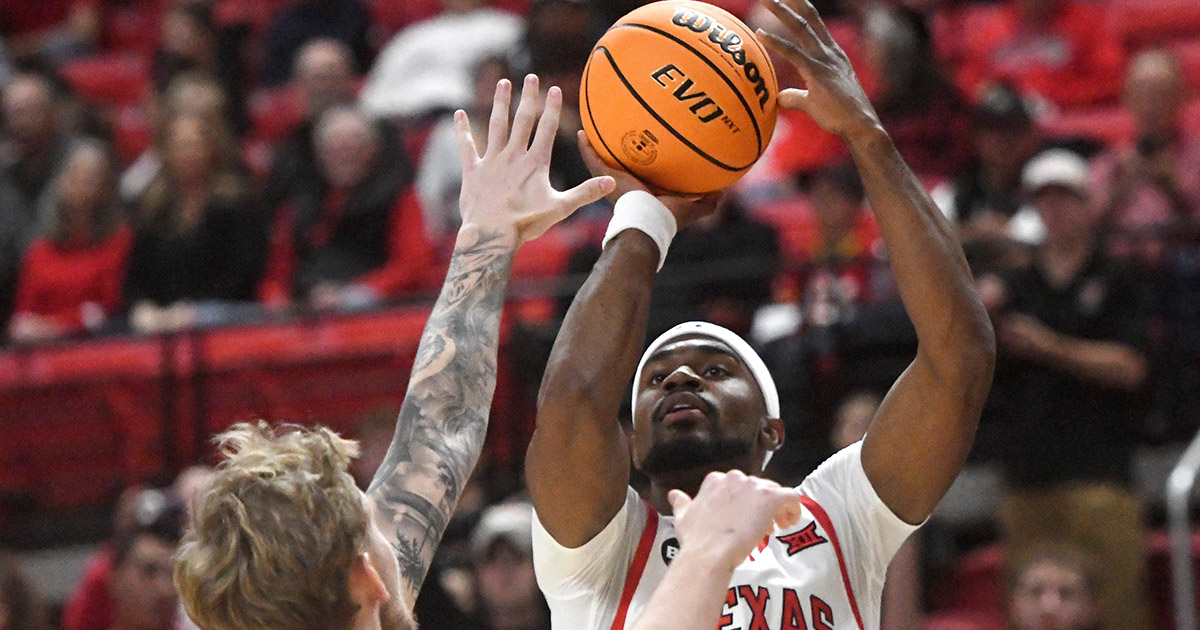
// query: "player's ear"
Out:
[772,434]
[366,585]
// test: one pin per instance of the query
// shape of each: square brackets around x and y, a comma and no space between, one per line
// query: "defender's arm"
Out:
[506,200]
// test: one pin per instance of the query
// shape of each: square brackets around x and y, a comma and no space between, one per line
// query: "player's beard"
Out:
[691,452]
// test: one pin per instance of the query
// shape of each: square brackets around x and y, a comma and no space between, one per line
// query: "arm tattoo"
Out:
[444,416]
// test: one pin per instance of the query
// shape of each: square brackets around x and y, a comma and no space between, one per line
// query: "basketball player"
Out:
[284,539]
[703,401]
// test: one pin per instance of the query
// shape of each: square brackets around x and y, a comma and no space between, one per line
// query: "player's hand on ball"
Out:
[832,95]
[686,208]
[732,513]
[507,189]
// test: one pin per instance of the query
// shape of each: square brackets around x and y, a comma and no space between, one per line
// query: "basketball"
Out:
[681,94]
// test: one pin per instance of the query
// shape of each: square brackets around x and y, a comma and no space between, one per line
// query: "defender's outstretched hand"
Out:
[832,95]
[731,514]
[507,189]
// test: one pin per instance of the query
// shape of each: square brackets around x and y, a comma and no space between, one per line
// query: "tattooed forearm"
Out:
[444,417]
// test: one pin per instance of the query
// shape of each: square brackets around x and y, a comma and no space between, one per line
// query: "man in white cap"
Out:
[703,401]
[1070,327]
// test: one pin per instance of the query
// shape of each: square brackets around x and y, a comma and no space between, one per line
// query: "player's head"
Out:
[702,398]
[1054,588]
[142,593]
[284,539]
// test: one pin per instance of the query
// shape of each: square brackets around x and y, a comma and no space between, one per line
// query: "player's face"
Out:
[698,404]
[1051,597]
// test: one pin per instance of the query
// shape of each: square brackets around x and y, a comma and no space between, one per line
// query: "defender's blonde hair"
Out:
[273,542]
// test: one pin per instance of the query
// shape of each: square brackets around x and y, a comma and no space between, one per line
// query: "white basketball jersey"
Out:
[827,572]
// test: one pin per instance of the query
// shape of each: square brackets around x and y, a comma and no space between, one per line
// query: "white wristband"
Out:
[639,210]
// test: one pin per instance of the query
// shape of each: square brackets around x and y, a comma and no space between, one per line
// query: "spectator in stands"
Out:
[687,289]
[840,263]
[1153,185]
[407,81]
[297,24]
[33,146]
[984,200]
[192,42]
[71,277]
[919,106]
[92,606]
[324,76]
[439,175]
[52,30]
[199,237]
[20,607]
[1058,50]
[360,240]
[17,230]
[502,552]
[193,93]
[143,591]
[1070,333]
[1054,588]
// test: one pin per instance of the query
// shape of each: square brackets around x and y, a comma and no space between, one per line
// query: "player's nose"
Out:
[683,376]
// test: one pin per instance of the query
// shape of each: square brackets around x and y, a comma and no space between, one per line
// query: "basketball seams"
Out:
[592,118]
[650,110]
[745,104]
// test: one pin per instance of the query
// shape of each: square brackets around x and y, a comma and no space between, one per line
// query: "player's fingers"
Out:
[806,10]
[793,98]
[466,140]
[526,114]
[543,140]
[590,191]
[796,24]
[789,50]
[679,501]
[498,123]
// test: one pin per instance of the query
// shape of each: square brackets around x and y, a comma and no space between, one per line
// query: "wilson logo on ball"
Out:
[730,43]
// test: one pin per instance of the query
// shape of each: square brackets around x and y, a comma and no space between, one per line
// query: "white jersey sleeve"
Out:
[869,532]
[587,581]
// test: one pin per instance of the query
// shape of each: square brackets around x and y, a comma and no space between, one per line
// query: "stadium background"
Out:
[115,372]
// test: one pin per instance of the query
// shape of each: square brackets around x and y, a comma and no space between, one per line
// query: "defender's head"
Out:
[702,398]
[284,539]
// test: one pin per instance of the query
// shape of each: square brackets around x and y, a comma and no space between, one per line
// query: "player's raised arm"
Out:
[577,466]
[920,437]
[506,199]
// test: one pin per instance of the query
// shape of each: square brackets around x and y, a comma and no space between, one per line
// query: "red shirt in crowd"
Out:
[21,17]
[410,254]
[1075,60]
[57,280]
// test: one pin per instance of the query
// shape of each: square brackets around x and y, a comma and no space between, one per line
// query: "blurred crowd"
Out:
[295,155]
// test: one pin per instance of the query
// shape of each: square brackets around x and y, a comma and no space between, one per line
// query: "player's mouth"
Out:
[681,408]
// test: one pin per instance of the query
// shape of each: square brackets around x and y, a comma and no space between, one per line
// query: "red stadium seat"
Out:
[117,79]
[133,133]
[1107,125]
[132,27]
[1148,22]
[1189,55]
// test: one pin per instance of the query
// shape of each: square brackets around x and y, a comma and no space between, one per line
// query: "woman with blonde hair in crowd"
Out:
[70,280]
[199,233]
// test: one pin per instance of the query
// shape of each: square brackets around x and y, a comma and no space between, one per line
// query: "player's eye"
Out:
[715,371]
[655,379]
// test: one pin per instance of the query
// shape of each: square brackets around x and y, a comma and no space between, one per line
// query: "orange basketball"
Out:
[681,94]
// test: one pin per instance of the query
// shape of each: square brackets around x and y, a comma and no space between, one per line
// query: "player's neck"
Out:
[689,481]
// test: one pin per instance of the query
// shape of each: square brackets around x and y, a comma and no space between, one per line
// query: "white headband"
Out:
[741,349]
